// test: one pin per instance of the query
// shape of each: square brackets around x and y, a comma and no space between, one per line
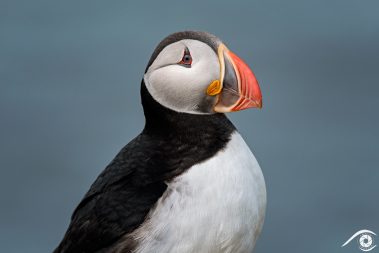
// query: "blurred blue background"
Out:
[70,74]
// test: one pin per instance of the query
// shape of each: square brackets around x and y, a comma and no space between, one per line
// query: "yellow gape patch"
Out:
[214,88]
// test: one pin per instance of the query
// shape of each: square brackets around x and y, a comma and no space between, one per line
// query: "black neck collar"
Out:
[162,120]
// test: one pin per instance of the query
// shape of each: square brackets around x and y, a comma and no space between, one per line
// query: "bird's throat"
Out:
[162,120]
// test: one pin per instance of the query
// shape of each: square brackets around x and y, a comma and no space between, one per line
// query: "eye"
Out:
[365,240]
[186,59]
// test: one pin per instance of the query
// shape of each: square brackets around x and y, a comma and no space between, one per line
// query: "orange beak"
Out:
[240,89]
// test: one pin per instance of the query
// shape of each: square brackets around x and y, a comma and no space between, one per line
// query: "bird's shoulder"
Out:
[118,200]
[121,197]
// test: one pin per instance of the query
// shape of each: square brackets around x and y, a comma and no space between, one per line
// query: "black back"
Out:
[123,194]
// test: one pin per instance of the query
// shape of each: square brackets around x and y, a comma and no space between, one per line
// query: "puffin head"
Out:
[194,72]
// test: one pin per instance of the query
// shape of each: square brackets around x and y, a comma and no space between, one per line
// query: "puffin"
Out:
[188,183]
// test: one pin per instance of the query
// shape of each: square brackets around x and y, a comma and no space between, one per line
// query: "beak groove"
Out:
[240,88]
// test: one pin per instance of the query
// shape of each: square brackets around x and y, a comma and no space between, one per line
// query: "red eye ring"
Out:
[186,59]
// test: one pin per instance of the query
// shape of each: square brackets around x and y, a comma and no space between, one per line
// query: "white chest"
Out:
[216,206]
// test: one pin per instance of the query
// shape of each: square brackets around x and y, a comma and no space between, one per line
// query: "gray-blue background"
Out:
[70,73]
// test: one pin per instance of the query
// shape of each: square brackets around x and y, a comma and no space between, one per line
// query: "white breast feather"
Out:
[217,206]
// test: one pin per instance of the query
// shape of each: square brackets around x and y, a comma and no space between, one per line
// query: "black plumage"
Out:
[123,194]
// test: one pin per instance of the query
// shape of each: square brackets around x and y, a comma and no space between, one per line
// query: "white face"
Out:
[184,88]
